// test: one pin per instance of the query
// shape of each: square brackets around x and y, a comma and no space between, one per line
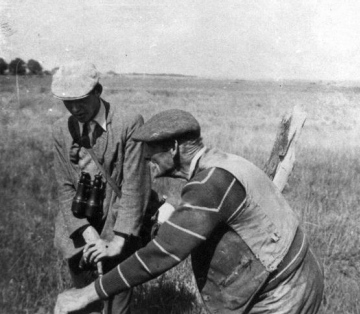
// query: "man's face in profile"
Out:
[160,158]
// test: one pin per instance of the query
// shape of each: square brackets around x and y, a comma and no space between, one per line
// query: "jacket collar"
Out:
[73,124]
[194,162]
[108,112]
[100,118]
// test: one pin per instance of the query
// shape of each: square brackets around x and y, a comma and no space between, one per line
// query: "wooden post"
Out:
[282,157]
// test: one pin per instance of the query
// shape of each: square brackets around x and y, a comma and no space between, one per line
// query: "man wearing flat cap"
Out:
[97,135]
[249,253]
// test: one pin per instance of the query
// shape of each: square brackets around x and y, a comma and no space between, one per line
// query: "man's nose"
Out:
[147,156]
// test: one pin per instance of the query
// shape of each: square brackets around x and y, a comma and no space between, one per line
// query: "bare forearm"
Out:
[88,294]
[75,299]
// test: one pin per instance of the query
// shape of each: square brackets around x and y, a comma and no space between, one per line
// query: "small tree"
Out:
[34,67]
[3,66]
[17,66]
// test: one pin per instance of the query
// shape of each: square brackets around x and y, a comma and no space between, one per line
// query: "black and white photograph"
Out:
[191,157]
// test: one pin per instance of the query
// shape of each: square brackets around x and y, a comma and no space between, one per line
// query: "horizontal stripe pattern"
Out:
[214,210]
[226,193]
[166,252]
[122,276]
[186,231]
[203,181]
[211,198]
[142,263]
[102,288]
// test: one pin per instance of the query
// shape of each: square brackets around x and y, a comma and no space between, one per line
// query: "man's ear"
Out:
[175,149]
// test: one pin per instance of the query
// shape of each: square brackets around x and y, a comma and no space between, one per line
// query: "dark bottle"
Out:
[94,203]
[79,202]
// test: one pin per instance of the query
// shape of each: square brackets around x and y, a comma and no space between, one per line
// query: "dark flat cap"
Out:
[168,124]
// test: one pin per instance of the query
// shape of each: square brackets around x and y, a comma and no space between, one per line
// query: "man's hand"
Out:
[75,299]
[90,235]
[94,252]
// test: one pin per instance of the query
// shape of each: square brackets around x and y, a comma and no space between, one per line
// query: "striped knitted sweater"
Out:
[209,200]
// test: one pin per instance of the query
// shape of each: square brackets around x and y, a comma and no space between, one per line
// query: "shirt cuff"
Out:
[78,232]
[122,234]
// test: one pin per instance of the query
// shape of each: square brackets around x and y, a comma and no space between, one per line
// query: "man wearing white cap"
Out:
[96,139]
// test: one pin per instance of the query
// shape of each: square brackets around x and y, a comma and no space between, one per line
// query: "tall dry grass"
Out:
[237,116]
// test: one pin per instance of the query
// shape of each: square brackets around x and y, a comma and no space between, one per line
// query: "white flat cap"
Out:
[74,81]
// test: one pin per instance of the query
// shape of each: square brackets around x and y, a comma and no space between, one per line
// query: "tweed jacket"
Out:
[121,157]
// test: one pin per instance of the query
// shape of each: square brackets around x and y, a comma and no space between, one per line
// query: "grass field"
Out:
[237,116]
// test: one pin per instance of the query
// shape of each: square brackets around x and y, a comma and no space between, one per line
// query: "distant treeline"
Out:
[20,67]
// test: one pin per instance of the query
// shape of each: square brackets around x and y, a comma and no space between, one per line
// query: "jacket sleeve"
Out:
[135,184]
[66,188]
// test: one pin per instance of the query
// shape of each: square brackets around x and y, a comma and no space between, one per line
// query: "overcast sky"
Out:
[245,39]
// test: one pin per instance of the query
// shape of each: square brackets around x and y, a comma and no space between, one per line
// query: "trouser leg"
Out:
[301,293]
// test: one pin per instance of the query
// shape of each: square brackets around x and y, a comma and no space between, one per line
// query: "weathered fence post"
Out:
[282,157]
